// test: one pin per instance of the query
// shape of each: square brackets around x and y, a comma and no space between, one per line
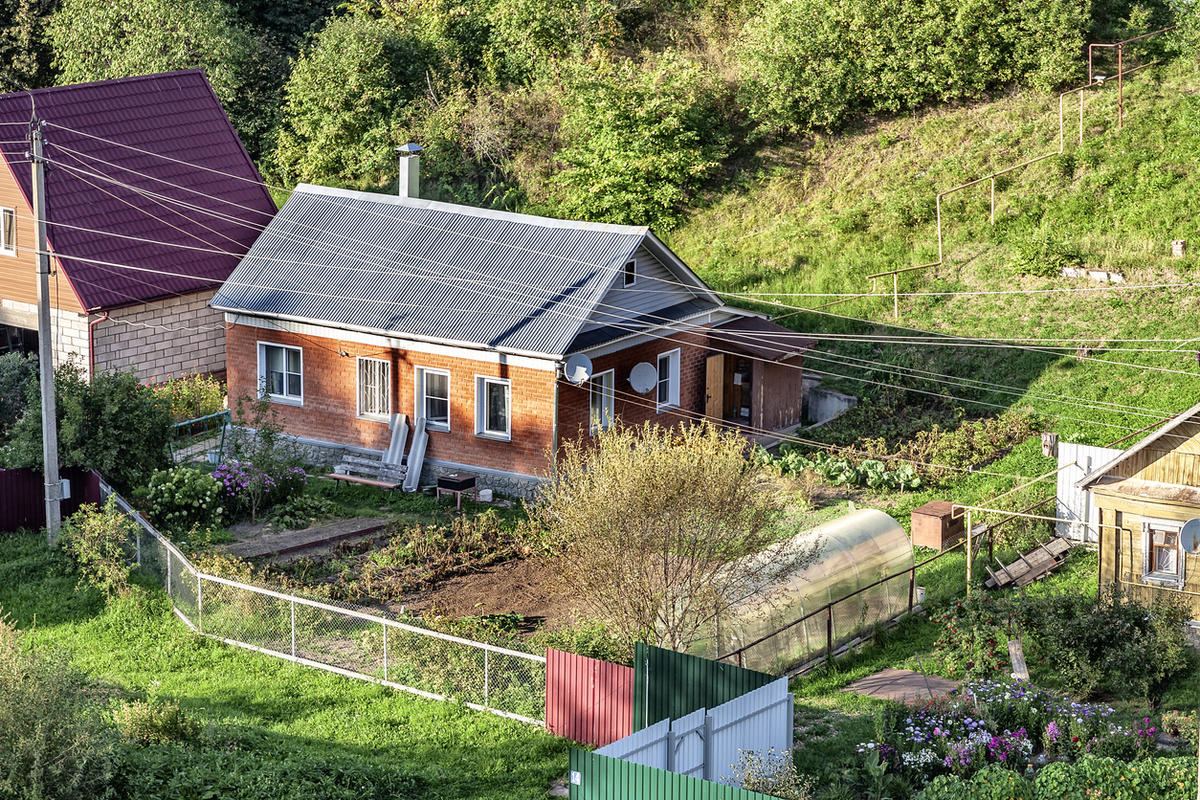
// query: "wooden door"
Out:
[714,398]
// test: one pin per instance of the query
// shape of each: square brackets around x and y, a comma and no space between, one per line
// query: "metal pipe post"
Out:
[912,587]
[200,603]
[486,682]
[970,547]
[385,658]
[895,295]
[829,635]
[1081,116]
[1120,85]
[939,227]
[993,201]
[1061,125]
[169,576]
[293,628]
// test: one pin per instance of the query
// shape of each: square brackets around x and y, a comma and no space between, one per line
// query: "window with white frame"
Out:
[629,274]
[492,408]
[668,379]
[600,401]
[374,388]
[280,373]
[8,231]
[433,398]
[1162,555]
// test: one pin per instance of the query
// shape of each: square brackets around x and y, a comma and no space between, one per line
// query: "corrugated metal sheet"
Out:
[1075,461]
[427,269]
[22,503]
[669,685]
[598,777]
[176,115]
[588,700]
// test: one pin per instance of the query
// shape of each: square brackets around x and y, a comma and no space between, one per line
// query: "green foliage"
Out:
[302,510]
[531,36]
[17,374]
[1044,256]
[1153,779]
[811,64]
[343,101]
[974,634]
[641,140]
[53,741]
[111,424]
[591,638]
[156,721]
[841,471]
[1182,725]
[183,498]
[772,773]
[991,783]
[1117,645]
[193,396]
[99,541]
[24,43]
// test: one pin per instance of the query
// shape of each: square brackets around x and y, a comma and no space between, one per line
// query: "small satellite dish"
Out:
[578,368]
[1189,536]
[643,377]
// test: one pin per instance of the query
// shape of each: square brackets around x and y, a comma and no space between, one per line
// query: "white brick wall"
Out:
[70,330]
[177,336]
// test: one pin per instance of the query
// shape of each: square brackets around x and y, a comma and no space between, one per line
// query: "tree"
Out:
[651,527]
[24,47]
[642,138]
[343,99]
[17,371]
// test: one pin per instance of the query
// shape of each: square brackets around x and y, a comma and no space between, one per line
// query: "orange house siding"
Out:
[18,274]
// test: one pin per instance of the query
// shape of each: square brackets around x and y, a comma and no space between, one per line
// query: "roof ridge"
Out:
[107,82]
[472,211]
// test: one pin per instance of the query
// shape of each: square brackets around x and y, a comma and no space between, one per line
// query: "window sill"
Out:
[667,407]
[9,253]
[283,401]
[385,419]
[1161,579]
[436,428]
[495,437]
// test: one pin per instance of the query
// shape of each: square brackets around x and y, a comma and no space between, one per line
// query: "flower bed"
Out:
[1013,725]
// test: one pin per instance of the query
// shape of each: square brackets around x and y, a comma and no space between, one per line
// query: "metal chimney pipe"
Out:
[409,183]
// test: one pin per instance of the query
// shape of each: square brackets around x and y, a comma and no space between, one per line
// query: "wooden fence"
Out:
[588,700]
[22,496]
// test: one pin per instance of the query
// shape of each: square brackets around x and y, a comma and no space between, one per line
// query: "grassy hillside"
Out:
[818,218]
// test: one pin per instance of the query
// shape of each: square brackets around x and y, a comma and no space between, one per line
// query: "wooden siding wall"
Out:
[18,273]
[588,700]
[1175,458]
[1122,550]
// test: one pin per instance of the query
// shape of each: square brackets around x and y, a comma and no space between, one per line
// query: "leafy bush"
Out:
[156,722]
[193,396]
[590,638]
[301,510]
[974,634]
[990,783]
[1117,645]
[1044,256]
[1153,779]
[812,64]
[54,742]
[771,773]
[248,490]
[17,372]
[841,471]
[99,542]
[183,498]
[1182,725]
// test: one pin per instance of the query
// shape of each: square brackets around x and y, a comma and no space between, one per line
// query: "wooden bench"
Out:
[338,476]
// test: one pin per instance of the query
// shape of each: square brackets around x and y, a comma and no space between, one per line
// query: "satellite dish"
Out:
[643,377]
[578,368]
[1189,536]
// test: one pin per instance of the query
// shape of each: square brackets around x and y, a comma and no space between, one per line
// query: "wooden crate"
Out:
[932,526]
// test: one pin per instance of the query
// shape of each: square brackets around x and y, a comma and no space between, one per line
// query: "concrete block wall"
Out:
[70,329]
[172,337]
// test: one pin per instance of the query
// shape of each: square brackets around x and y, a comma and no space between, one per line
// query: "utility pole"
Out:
[45,341]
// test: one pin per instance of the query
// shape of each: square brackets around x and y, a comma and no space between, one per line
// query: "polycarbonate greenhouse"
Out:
[853,551]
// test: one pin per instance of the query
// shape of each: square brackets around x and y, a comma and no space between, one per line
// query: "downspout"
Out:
[554,426]
[92,345]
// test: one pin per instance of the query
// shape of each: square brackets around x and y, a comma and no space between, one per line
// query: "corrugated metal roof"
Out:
[174,114]
[426,269]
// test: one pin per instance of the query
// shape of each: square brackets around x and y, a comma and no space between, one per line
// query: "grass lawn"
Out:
[271,709]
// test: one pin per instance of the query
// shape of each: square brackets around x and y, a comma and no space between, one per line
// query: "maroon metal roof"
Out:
[174,114]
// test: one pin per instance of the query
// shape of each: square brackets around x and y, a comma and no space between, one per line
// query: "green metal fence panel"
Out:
[670,685]
[597,777]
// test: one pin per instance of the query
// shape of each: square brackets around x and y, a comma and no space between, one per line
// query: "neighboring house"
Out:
[354,307]
[1142,497]
[181,222]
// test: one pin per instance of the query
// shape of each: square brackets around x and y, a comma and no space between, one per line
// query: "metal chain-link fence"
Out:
[343,640]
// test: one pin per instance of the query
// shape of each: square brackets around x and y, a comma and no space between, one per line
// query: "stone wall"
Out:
[171,337]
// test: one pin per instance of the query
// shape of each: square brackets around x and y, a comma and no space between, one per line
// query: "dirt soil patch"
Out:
[527,587]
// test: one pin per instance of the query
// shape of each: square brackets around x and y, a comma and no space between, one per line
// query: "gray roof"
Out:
[433,270]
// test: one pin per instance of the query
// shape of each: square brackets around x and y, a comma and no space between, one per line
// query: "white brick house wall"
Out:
[172,337]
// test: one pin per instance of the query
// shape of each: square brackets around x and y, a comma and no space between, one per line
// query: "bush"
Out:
[974,634]
[248,490]
[156,722]
[771,773]
[193,396]
[302,510]
[184,498]
[54,742]
[17,373]
[1044,256]
[841,471]
[1091,777]
[99,542]
[991,783]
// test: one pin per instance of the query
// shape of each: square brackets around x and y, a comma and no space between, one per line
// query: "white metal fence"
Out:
[709,742]
[1074,507]
[342,640]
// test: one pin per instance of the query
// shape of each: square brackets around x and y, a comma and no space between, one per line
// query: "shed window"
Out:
[491,408]
[8,231]
[433,398]
[1163,559]
[280,373]
[600,401]
[668,379]
[374,388]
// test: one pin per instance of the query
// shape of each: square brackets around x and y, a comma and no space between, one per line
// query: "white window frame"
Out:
[481,385]
[379,416]
[673,358]
[629,273]
[8,248]
[419,398]
[607,406]
[285,398]
[1149,574]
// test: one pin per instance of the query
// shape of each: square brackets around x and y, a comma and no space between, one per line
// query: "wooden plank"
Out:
[1016,655]
[714,400]
[337,476]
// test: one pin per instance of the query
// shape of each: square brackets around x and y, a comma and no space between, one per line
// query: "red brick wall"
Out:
[330,410]
[633,408]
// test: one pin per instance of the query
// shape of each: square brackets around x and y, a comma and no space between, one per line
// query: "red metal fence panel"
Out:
[588,700]
[22,503]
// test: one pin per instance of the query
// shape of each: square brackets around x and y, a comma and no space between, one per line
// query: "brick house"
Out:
[151,199]
[499,334]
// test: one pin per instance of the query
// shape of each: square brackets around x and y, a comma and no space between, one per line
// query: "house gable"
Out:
[1170,455]
[659,286]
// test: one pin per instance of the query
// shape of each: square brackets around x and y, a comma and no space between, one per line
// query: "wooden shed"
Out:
[1142,497]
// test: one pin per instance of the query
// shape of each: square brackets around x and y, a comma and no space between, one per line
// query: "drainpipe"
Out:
[92,344]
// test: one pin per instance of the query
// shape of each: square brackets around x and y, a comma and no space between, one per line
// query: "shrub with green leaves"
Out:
[99,540]
[54,742]
[156,722]
[193,396]
[1092,777]
[974,634]
[17,372]
[183,498]
[841,471]
[1044,256]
